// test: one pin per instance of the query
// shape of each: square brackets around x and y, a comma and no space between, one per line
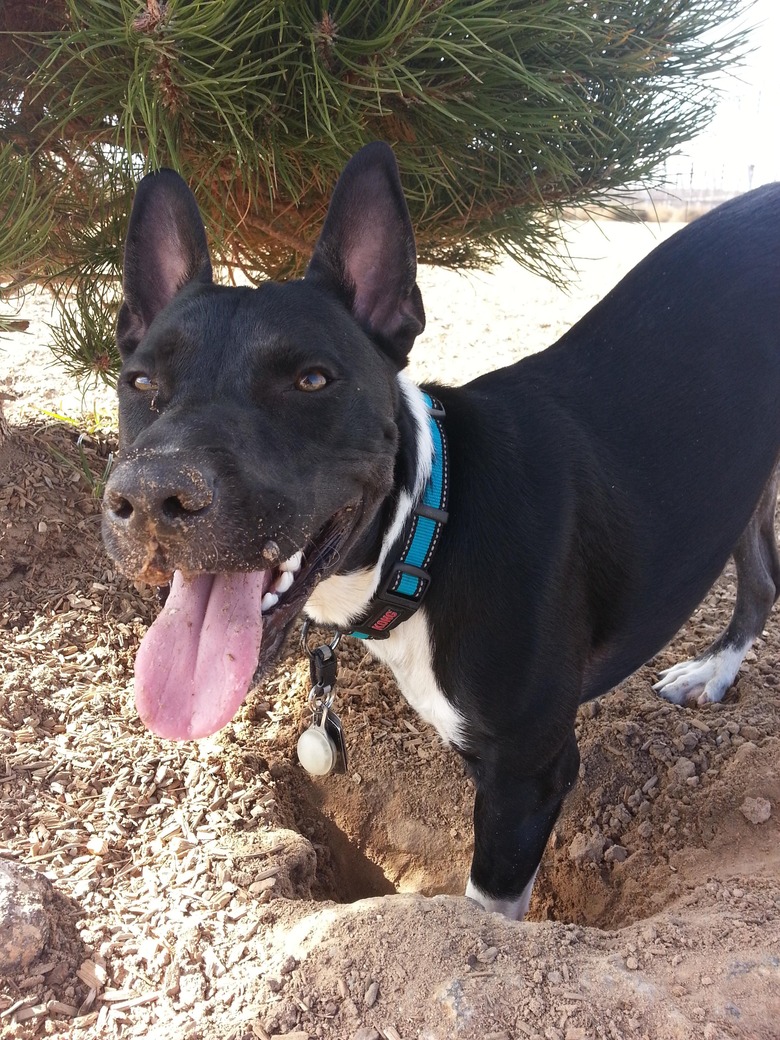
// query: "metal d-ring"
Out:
[315,700]
[305,634]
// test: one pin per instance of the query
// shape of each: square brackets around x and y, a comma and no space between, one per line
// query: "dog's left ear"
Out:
[366,253]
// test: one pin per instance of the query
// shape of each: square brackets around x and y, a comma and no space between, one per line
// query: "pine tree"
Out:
[500,113]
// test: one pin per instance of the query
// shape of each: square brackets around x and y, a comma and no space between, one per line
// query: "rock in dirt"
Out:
[616,854]
[366,1033]
[684,768]
[24,922]
[587,848]
[756,810]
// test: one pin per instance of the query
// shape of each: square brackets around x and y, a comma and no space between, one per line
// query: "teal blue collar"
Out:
[406,581]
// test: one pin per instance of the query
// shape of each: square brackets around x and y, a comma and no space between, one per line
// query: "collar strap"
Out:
[405,582]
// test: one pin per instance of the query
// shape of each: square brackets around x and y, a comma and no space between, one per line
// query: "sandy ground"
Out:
[214,890]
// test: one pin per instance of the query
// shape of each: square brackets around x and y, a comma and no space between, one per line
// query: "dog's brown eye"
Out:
[144,383]
[313,380]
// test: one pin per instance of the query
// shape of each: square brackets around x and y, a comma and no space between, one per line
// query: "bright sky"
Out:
[745,132]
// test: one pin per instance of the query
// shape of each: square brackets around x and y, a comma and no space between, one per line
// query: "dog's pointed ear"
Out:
[366,253]
[165,250]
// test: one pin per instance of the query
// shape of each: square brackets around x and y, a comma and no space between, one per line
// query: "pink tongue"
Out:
[195,664]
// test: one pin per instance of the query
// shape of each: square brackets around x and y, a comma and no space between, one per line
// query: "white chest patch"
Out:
[342,597]
[406,651]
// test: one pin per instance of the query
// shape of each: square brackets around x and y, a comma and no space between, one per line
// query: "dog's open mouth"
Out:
[196,663]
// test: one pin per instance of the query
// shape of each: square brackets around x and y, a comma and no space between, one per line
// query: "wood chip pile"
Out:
[165,851]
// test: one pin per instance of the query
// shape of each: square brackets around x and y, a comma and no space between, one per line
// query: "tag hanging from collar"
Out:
[321,747]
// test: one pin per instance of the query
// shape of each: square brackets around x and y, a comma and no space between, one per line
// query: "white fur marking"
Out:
[704,680]
[342,597]
[407,652]
[424,455]
[419,409]
[514,909]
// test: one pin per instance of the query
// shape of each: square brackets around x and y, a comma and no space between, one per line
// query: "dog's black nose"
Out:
[157,493]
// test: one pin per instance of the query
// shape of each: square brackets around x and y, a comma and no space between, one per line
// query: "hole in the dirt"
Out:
[371,839]
[373,843]
[402,820]
[345,872]
[354,875]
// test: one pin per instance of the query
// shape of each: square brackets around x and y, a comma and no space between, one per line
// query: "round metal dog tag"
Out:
[316,751]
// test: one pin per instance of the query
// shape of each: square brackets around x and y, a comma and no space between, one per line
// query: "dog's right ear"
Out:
[165,250]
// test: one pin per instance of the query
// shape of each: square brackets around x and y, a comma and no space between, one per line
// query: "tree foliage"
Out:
[500,114]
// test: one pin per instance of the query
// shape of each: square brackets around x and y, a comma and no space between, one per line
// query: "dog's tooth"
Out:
[269,600]
[283,582]
[293,564]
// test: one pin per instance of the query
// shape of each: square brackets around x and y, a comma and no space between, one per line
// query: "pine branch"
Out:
[500,113]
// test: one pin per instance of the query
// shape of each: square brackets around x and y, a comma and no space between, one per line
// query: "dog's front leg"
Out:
[513,817]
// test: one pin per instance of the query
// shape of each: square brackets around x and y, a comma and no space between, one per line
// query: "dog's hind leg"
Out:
[708,677]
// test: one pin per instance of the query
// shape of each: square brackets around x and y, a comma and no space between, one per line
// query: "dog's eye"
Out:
[311,380]
[144,383]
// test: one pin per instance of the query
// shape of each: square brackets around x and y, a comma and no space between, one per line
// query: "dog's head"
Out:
[258,431]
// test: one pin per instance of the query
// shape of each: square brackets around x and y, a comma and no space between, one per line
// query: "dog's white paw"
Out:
[703,680]
[514,909]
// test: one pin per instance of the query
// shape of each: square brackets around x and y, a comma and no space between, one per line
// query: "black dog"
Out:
[273,457]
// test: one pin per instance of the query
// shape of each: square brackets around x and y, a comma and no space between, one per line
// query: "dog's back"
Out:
[667,396]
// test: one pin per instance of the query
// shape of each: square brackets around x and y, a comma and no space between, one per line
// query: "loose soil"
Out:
[214,890]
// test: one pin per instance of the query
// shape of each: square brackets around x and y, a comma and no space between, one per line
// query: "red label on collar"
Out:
[386,619]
